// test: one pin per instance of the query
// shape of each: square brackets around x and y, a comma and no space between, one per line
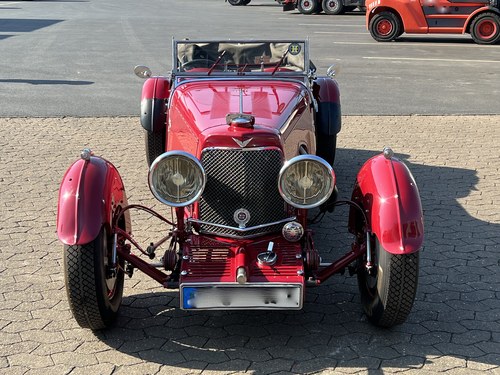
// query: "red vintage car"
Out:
[240,142]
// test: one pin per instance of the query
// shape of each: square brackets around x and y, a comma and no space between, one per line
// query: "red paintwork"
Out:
[415,21]
[217,259]
[198,109]
[156,88]
[388,192]
[326,90]
[340,264]
[144,266]
[89,194]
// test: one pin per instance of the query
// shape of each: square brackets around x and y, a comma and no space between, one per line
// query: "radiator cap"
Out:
[240,120]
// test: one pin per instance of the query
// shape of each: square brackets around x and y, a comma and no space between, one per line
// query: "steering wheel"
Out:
[198,63]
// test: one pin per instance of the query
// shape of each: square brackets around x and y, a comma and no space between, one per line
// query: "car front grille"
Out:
[241,179]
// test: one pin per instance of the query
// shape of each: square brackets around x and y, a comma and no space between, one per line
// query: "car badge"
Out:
[242,217]
[242,144]
[294,49]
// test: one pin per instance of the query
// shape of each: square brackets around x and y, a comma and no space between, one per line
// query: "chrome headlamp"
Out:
[176,178]
[306,181]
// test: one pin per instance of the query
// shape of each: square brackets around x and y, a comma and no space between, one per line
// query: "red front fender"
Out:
[89,195]
[388,193]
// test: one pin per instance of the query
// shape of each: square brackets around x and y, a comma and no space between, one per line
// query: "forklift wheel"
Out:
[485,28]
[385,27]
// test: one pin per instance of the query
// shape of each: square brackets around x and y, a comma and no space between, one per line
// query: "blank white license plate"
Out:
[241,297]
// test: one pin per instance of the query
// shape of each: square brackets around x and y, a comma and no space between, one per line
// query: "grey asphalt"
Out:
[75,57]
[454,327]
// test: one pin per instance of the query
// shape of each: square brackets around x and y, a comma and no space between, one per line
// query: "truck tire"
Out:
[94,295]
[388,291]
[333,7]
[308,6]
[238,2]
[385,27]
[485,28]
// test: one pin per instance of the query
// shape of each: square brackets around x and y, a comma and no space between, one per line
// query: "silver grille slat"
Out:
[241,178]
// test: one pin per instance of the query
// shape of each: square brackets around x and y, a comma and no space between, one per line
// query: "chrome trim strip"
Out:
[242,230]
[177,83]
[268,284]
[243,149]
[235,41]
[175,42]
[287,123]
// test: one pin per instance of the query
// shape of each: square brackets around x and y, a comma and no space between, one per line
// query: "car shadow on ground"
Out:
[455,313]
[47,82]
[62,1]
[24,25]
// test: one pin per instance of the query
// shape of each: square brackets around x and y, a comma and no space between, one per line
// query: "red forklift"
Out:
[388,19]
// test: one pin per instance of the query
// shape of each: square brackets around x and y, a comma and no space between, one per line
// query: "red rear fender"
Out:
[156,88]
[387,191]
[154,98]
[328,117]
[89,194]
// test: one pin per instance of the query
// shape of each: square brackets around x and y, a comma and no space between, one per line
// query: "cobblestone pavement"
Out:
[454,326]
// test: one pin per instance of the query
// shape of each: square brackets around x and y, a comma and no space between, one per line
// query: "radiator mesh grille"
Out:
[241,179]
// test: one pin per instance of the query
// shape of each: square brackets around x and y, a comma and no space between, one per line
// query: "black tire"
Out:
[326,146]
[333,7]
[238,2]
[94,295]
[485,28]
[388,293]
[385,27]
[155,145]
[327,122]
[308,6]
